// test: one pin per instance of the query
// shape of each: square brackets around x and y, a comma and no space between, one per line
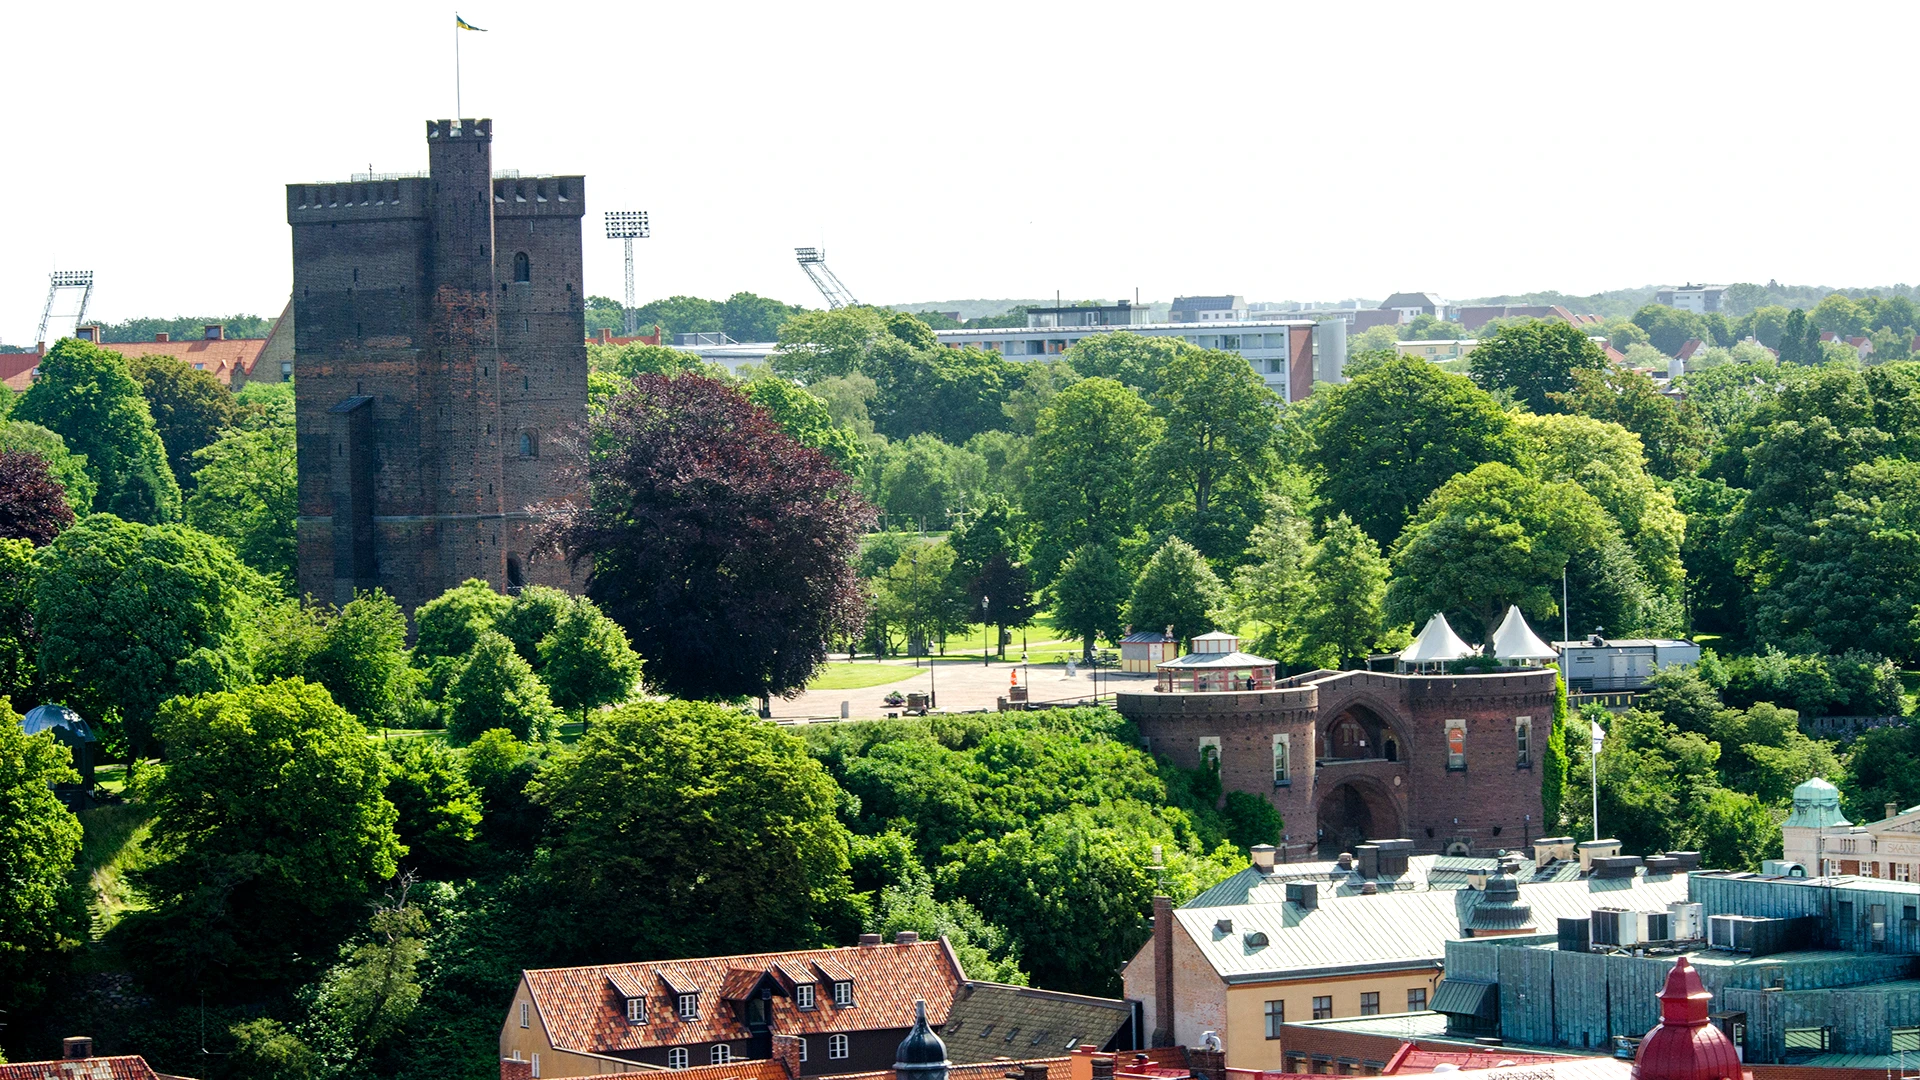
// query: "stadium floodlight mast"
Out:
[627,225]
[61,281]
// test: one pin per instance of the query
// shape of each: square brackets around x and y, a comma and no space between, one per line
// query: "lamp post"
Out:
[1593,762]
[986,650]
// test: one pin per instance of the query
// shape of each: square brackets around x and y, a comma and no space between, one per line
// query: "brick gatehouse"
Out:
[1448,761]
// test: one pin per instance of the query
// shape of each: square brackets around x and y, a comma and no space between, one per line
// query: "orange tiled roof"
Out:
[16,369]
[132,1067]
[583,1010]
[763,1069]
[222,357]
[1058,1068]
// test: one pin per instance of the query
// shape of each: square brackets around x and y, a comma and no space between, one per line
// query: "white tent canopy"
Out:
[1515,640]
[1437,643]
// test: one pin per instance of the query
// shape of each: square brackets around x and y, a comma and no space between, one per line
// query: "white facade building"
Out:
[1818,841]
[1282,351]
[1601,664]
[1696,298]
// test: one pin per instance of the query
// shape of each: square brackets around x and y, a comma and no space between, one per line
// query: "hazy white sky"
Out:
[1280,151]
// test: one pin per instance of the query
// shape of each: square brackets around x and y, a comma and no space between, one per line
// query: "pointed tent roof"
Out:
[1515,640]
[1436,642]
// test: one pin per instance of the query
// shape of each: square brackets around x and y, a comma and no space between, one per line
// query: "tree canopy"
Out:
[723,546]
[88,396]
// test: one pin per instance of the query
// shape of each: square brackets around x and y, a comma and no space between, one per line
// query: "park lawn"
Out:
[857,676]
[110,844]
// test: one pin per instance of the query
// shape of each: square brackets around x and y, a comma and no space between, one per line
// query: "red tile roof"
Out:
[764,1069]
[1058,1068]
[1412,1059]
[582,1010]
[131,1067]
[16,369]
[222,357]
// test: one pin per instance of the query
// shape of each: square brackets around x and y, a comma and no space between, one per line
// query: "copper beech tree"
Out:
[723,546]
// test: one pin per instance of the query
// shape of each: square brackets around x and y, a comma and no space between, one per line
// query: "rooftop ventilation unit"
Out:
[1304,893]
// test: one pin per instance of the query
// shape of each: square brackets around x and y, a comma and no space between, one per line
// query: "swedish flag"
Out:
[464,24]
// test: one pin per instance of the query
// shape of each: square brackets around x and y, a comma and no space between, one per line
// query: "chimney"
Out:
[1033,1071]
[1893,809]
[1206,1063]
[87,333]
[907,937]
[786,1051]
[1368,858]
[76,1048]
[1263,858]
[216,332]
[1162,979]
[1103,1067]
[1592,849]
[869,940]
[162,335]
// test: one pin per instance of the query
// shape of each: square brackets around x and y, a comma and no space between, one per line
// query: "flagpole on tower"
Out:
[456,67]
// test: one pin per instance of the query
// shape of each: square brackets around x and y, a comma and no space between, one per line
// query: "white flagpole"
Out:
[1593,761]
[456,68]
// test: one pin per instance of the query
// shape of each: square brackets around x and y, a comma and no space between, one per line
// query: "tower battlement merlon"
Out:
[461,129]
[377,200]
[540,196]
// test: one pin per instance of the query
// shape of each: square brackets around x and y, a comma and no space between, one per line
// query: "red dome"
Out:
[1683,1045]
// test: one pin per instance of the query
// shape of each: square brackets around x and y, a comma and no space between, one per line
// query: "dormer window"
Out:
[689,1006]
[803,996]
[636,1010]
[843,993]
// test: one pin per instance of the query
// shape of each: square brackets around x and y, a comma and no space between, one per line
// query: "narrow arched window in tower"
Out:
[515,579]
[522,268]
[529,444]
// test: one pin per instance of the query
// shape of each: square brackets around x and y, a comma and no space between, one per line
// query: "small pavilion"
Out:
[1516,643]
[1434,649]
[1216,665]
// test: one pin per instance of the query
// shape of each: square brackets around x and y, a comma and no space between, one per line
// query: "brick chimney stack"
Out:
[1103,1067]
[1162,977]
[76,1048]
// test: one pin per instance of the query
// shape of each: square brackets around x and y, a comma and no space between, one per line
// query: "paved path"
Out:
[959,686]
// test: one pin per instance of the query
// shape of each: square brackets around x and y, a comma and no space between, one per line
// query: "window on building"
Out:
[689,1006]
[286,369]
[529,446]
[1282,762]
[1417,1000]
[522,268]
[843,993]
[677,1058]
[636,1010]
[1323,1008]
[536,1063]
[720,1054]
[525,1012]
[803,1049]
[1230,341]
[1276,1015]
[1456,744]
[837,1047]
[803,996]
[1370,1003]
[1523,740]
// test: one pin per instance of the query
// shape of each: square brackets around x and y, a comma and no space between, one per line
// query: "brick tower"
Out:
[438,357]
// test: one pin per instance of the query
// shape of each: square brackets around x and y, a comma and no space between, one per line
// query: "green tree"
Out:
[829,344]
[438,809]
[805,417]
[42,913]
[496,688]
[988,561]
[451,623]
[531,615]
[1383,442]
[1535,361]
[746,317]
[270,830]
[130,615]
[1489,539]
[586,661]
[1177,588]
[1763,753]
[639,358]
[919,596]
[1127,358]
[68,468]
[1766,325]
[246,492]
[19,636]
[952,393]
[656,792]
[1270,588]
[1668,328]
[924,479]
[680,315]
[1842,315]
[191,409]
[1553,761]
[362,659]
[87,396]
[1216,449]
[1670,432]
[1731,829]
[1087,454]
[1089,593]
[368,997]
[1346,615]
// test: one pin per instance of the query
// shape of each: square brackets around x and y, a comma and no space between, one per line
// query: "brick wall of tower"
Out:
[412,327]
